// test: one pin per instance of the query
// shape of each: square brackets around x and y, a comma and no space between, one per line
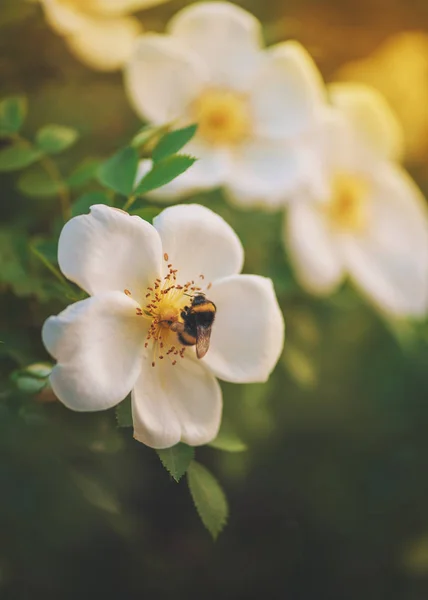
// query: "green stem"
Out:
[54,271]
[63,192]
[48,265]
[129,202]
[54,173]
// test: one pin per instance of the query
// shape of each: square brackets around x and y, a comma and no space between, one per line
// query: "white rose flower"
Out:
[255,108]
[98,32]
[139,278]
[373,223]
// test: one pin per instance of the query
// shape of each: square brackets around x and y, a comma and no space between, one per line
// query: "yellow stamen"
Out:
[165,301]
[163,304]
[348,207]
[223,117]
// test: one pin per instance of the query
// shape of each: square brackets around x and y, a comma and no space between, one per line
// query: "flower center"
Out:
[348,207]
[165,301]
[223,116]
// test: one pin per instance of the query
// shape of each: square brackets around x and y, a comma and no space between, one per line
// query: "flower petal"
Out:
[110,250]
[312,248]
[390,262]
[371,116]
[248,332]
[98,343]
[63,17]
[121,7]
[162,78]
[104,44]
[340,148]
[287,92]
[226,37]
[176,403]
[198,241]
[265,172]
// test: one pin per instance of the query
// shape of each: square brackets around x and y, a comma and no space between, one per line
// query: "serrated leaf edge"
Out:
[177,480]
[223,523]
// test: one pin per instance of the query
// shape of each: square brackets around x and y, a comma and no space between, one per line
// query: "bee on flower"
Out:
[371,224]
[100,33]
[256,108]
[168,313]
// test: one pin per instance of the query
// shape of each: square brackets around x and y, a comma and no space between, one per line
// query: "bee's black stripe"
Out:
[207,307]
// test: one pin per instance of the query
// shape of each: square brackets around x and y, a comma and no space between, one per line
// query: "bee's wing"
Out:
[203,335]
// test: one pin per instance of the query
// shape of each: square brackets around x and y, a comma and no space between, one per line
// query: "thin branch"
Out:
[129,203]
[54,173]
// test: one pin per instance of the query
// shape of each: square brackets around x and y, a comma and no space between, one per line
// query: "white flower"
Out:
[99,32]
[373,222]
[139,277]
[256,108]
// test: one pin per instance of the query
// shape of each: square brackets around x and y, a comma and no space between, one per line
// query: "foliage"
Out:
[325,464]
[13,111]
[172,142]
[177,459]
[208,497]
[163,172]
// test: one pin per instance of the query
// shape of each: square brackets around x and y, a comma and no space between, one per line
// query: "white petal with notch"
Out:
[110,250]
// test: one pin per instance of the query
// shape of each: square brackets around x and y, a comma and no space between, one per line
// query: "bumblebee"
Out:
[196,326]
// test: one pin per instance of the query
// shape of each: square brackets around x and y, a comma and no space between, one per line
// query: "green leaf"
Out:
[36,183]
[118,172]
[32,379]
[177,459]
[14,262]
[164,171]
[208,497]
[27,384]
[124,413]
[17,157]
[13,111]
[84,172]
[54,139]
[146,135]
[15,269]
[39,370]
[228,440]
[172,142]
[83,203]
[148,213]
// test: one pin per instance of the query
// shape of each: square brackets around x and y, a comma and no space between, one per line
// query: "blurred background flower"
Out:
[99,32]
[373,221]
[257,109]
[330,498]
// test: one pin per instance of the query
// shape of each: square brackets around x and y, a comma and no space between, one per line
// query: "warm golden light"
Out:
[81,5]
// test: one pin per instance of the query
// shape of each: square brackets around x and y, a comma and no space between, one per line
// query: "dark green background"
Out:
[331,500]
